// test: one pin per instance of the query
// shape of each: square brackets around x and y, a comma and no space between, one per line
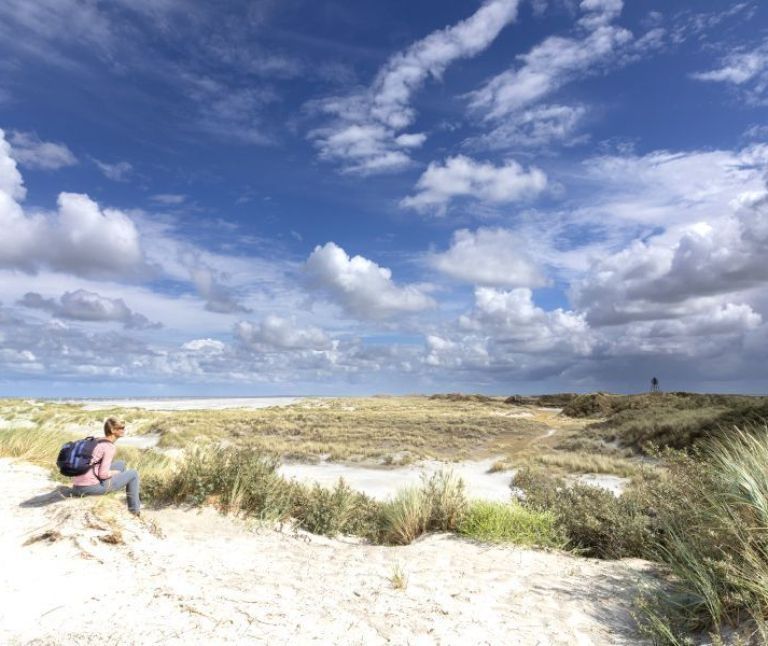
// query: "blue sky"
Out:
[290,197]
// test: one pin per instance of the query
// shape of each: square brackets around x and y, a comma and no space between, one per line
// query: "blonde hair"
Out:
[112,423]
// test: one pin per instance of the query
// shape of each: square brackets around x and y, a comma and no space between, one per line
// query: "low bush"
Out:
[606,404]
[331,512]
[444,493]
[235,479]
[498,522]
[595,522]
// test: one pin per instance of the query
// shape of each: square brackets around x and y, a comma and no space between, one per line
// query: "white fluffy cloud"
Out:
[367,135]
[667,277]
[462,176]
[512,318]
[82,305]
[507,337]
[364,289]
[79,238]
[30,151]
[209,346]
[491,257]
[275,332]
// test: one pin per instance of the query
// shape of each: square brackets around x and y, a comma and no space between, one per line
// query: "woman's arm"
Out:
[108,453]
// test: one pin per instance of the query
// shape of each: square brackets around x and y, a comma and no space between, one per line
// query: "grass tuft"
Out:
[398,578]
[498,522]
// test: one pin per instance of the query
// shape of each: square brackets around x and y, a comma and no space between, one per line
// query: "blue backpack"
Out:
[75,457]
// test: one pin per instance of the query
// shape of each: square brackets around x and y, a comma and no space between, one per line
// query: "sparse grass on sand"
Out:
[398,578]
[388,430]
[580,462]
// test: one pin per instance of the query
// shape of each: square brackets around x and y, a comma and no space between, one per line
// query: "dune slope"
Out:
[84,571]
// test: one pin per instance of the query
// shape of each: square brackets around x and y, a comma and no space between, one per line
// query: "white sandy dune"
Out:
[215,580]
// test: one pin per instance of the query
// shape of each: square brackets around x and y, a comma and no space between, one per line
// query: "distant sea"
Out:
[184,403]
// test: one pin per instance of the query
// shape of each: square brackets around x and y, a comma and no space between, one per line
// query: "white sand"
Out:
[383,483]
[607,481]
[190,403]
[211,580]
[146,441]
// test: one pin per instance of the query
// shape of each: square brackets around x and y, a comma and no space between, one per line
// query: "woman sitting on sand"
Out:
[106,475]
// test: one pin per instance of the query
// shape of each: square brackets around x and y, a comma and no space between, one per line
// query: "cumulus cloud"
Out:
[667,277]
[363,289]
[462,176]
[490,257]
[511,317]
[680,334]
[367,134]
[275,332]
[82,305]
[30,151]
[79,238]
[507,337]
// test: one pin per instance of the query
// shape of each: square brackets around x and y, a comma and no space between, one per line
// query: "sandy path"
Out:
[215,580]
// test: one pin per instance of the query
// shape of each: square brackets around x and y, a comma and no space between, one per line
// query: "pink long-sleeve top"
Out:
[104,451]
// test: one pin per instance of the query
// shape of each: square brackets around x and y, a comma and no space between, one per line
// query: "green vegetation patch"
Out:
[498,522]
[676,420]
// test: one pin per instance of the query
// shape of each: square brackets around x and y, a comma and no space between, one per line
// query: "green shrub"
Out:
[340,510]
[595,522]
[444,495]
[236,479]
[498,522]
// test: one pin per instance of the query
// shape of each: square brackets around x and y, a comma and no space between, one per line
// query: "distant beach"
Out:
[186,403]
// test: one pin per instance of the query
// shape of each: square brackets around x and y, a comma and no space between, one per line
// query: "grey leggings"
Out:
[128,479]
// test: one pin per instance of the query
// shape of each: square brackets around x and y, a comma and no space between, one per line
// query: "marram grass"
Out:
[714,540]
